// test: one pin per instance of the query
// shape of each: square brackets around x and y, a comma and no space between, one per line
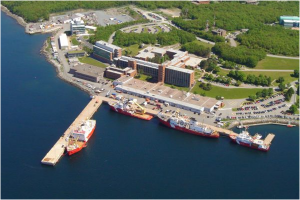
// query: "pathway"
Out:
[286,57]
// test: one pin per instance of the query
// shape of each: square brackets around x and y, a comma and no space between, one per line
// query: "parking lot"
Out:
[148,28]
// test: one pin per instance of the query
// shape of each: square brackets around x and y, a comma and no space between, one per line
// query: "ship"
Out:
[79,137]
[186,124]
[130,108]
[254,142]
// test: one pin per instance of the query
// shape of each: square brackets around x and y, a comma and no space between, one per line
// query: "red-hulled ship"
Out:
[186,124]
[130,108]
[254,142]
[79,137]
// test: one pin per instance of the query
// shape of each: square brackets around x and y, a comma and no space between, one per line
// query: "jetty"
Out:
[55,153]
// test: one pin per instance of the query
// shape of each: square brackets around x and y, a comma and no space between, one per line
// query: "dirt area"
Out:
[116,11]
[174,12]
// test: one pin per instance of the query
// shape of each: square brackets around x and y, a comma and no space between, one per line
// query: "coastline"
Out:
[60,74]
[19,19]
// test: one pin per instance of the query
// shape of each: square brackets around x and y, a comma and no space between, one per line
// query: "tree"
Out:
[296,73]
[252,97]
[293,109]
[280,80]
[281,86]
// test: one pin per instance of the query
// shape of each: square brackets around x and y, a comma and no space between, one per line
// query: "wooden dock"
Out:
[55,153]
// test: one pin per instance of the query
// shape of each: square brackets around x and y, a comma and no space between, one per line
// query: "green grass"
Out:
[74,41]
[92,61]
[278,63]
[236,93]
[274,75]
[143,77]
[177,87]
[49,44]
[204,44]
[85,37]
[132,50]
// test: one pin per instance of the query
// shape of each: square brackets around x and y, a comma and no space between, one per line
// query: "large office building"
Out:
[159,72]
[87,72]
[289,21]
[77,27]
[106,52]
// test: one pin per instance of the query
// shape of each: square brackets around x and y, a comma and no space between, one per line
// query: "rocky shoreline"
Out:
[19,19]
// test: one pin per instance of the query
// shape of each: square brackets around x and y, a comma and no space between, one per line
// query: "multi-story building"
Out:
[179,76]
[71,54]
[106,52]
[77,27]
[87,72]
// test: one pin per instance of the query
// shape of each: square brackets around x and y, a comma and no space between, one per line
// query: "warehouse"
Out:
[63,41]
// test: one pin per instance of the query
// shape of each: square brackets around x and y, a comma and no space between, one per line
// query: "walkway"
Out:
[286,57]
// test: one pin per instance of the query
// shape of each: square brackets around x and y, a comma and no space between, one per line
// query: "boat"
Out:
[240,126]
[186,124]
[129,108]
[79,137]
[254,142]
[289,125]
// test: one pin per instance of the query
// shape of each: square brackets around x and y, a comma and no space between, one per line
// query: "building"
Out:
[179,76]
[115,73]
[72,54]
[157,91]
[77,27]
[93,28]
[87,72]
[63,41]
[289,21]
[106,52]
[220,32]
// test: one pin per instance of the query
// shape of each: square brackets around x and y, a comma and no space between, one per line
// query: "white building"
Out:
[77,27]
[63,41]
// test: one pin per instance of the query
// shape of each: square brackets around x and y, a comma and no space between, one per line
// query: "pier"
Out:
[55,153]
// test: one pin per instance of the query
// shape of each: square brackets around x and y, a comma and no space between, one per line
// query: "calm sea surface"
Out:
[126,157]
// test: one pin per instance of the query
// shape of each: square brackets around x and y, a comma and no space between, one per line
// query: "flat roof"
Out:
[193,61]
[88,70]
[63,39]
[79,51]
[180,69]
[163,92]
[101,42]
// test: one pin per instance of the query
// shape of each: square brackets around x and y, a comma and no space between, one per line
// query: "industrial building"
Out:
[77,27]
[174,97]
[72,54]
[87,72]
[106,52]
[219,32]
[289,21]
[63,41]
[115,72]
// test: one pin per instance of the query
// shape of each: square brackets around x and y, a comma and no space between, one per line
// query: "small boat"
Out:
[289,125]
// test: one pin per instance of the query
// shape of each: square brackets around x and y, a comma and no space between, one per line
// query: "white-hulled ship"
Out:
[186,124]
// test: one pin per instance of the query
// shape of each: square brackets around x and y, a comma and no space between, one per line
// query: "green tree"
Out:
[281,86]
[293,109]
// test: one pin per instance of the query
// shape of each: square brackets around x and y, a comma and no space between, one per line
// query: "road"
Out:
[262,70]
[286,57]
[85,42]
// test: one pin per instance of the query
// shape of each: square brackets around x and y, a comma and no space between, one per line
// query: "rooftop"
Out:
[88,70]
[180,69]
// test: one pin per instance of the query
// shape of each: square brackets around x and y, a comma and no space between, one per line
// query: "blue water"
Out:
[126,157]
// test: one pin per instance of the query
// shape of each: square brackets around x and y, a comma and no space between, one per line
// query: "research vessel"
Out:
[130,108]
[186,124]
[79,137]
[254,142]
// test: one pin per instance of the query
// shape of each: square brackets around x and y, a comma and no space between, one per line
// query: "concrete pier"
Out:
[55,153]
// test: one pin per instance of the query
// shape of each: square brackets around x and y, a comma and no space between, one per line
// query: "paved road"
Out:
[286,57]
[262,70]
[203,40]
[111,38]
[86,43]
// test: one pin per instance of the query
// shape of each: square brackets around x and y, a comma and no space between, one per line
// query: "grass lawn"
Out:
[238,93]
[85,37]
[132,50]
[204,44]
[278,63]
[274,75]
[74,41]
[92,61]
[177,87]
[143,77]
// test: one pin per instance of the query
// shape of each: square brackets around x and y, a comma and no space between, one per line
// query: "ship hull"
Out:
[166,123]
[247,144]
[144,116]
[81,146]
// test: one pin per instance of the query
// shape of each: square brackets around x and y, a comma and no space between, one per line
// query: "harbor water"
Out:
[126,157]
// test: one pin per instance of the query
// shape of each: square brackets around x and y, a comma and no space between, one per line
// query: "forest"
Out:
[162,38]
[33,10]
[233,16]
[250,78]
[197,49]
[240,54]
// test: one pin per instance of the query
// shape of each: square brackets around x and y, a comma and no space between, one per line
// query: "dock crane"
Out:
[142,109]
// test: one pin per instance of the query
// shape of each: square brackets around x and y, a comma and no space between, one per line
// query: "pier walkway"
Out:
[53,156]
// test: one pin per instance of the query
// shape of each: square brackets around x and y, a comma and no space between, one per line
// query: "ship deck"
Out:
[55,153]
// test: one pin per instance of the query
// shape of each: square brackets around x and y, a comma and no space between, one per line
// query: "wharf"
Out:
[55,153]
[268,139]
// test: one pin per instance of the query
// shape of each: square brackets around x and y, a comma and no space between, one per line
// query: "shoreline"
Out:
[19,19]
[60,74]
